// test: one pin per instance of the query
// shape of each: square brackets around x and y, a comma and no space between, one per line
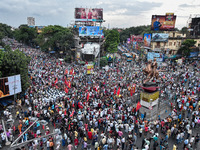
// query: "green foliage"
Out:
[5,30]
[25,34]
[186,47]
[103,62]
[184,30]
[112,41]
[56,37]
[139,30]
[67,58]
[15,62]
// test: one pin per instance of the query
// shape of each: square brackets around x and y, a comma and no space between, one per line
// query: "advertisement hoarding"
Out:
[160,37]
[163,22]
[152,55]
[147,40]
[90,69]
[195,26]
[146,96]
[10,85]
[90,31]
[88,14]
[136,38]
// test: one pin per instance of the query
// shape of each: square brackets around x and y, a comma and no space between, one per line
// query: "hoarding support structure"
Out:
[99,49]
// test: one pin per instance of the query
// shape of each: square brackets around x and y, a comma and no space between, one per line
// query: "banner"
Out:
[146,97]
[10,85]
[147,40]
[152,55]
[160,37]
[136,38]
[89,14]
[90,31]
[90,69]
[164,23]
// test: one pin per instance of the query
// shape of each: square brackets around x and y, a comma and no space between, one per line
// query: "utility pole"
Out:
[7,142]
[99,47]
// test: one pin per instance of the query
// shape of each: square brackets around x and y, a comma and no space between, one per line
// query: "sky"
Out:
[116,13]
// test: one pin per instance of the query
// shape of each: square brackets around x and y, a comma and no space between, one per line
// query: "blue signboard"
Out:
[160,37]
[90,31]
[152,55]
[193,54]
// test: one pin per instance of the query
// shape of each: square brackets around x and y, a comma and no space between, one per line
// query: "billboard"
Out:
[90,31]
[164,23]
[88,14]
[146,96]
[147,40]
[160,37]
[152,55]
[90,69]
[10,85]
[136,38]
[195,26]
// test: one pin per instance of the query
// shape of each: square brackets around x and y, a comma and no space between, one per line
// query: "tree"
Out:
[103,61]
[15,62]
[25,35]
[184,30]
[139,30]
[186,47]
[5,31]
[56,38]
[112,37]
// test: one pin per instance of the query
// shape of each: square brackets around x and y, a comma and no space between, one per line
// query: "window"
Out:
[170,43]
[174,43]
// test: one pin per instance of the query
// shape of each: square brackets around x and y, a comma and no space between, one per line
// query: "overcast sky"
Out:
[116,13]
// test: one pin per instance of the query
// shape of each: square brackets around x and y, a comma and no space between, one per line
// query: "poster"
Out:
[89,14]
[90,31]
[163,22]
[10,85]
[147,40]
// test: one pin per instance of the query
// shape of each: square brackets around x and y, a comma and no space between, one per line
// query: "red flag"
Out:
[131,91]
[118,91]
[138,106]
[56,81]
[66,83]
[66,90]
[88,96]
[60,62]
[114,91]
[57,63]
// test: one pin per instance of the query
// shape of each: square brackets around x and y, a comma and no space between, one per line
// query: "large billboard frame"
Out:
[147,39]
[163,22]
[88,14]
[159,37]
[10,85]
[90,31]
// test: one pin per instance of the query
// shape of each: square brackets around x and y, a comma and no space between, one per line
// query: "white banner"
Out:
[10,85]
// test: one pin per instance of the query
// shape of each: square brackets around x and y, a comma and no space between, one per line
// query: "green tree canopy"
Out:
[5,31]
[186,47]
[112,41]
[56,37]
[25,34]
[15,62]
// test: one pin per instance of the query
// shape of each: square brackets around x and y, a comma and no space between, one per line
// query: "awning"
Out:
[5,102]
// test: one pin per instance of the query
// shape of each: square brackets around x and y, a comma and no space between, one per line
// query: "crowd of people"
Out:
[93,112]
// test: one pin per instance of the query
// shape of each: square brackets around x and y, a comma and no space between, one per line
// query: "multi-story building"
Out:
[31,21]
[173,44]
